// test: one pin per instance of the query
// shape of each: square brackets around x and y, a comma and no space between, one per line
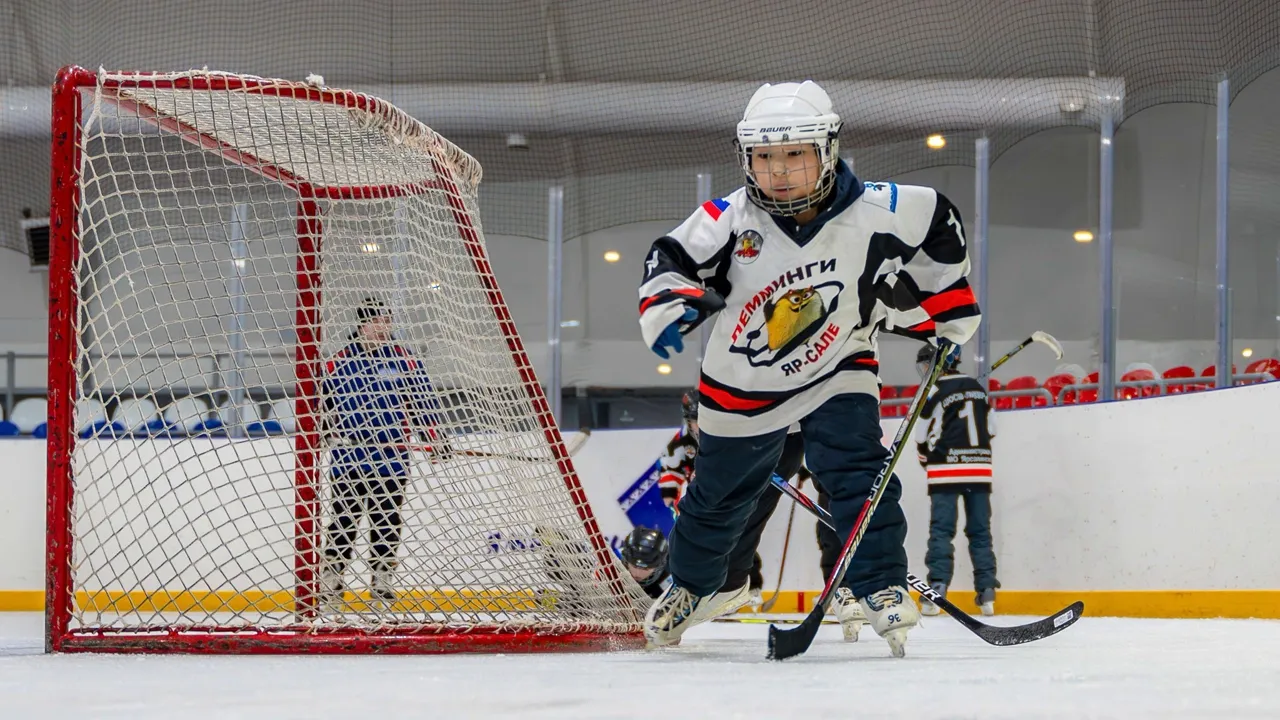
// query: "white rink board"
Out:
[1166,493]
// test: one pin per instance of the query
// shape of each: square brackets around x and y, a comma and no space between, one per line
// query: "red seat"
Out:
[1271,366]
[1129,393]
[888,392]
[1212,372]
[908,392]
[1056,382]
[1026,382]
[1180,372]
[1071,397]
[1004,403]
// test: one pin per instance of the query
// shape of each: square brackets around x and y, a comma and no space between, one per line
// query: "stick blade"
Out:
[794,641]
[1052,625]
[1044,337]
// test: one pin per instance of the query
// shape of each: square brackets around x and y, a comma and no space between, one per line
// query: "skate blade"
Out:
[897,640]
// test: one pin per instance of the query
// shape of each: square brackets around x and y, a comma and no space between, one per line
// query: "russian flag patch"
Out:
[715,207]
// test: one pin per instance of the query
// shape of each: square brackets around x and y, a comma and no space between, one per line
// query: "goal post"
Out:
[327,435]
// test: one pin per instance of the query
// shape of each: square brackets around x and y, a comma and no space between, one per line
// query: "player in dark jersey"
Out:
[954,443]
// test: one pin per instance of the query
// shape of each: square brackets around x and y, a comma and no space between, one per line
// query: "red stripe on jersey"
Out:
[926,326]
[331,363]
[945,301]
[730,402]
[407,355]
[959,472]
[687,292]
[712,209]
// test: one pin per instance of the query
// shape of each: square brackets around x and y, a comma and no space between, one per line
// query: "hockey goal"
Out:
[220,245]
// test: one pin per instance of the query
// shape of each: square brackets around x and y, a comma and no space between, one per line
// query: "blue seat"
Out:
[103,428]
[8,429]
[210,427]
[263,428]
[41,431]
[155,428]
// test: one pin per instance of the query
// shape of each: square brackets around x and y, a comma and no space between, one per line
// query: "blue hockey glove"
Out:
[950,352]
[670,337]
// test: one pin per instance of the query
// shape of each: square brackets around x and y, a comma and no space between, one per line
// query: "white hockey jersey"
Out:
[804,303]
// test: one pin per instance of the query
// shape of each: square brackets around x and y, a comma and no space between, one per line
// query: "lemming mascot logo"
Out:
[788,321]
[792,314]
[747,249]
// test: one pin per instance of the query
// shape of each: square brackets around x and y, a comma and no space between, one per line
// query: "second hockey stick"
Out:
[794,641]
[767,605]
[993,634]
[1038,336]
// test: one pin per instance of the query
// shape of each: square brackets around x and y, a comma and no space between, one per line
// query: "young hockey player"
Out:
[374,396]
[809,264]
[954,442]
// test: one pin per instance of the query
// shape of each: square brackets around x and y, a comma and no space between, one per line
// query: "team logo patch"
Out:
[748,247]
[787,323]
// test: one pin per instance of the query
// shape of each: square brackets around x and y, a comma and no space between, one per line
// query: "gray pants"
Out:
[940,558]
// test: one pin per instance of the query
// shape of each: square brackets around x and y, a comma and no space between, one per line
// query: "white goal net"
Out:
[289,408]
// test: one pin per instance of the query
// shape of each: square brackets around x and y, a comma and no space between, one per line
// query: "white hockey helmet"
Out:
[786,114]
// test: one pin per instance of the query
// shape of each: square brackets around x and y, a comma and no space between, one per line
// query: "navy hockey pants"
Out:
[744,561]
[842,448]
[940,557]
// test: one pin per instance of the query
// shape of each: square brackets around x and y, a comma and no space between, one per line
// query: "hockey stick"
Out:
[571,448]
[794,641]
[995,635]
[1037,336]
[767,605]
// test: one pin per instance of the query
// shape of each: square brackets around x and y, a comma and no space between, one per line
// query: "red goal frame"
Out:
[65,206]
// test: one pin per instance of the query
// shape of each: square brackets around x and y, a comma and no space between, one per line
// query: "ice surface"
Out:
[1101,667]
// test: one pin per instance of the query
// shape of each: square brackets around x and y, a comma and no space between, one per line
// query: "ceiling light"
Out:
[1247,352]
[569,323]
[369,247]
[612,256]
[1082,236]
[664,369]
[935,142]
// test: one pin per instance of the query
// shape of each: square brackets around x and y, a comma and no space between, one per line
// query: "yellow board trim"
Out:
[1098,603]
[231,601]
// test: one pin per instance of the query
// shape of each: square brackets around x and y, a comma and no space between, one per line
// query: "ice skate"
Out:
[331,599]
[382,589]
[677,610]
[756,599]
[928,608]
[849,613]
[892,613]
[986,601]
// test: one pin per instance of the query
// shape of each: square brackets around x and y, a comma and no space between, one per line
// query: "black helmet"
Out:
[371,307]
[645,548]
[689,405]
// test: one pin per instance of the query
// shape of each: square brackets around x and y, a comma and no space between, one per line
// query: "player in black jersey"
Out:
[954,442]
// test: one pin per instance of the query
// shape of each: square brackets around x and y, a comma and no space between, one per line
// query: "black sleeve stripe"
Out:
[943,243]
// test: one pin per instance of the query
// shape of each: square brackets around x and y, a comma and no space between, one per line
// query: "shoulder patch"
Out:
[716,207]
[882,194]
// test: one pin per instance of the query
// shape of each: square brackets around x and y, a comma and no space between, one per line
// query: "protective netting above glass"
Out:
[622,102]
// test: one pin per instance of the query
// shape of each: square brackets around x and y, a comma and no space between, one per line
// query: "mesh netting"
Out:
[237,238]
